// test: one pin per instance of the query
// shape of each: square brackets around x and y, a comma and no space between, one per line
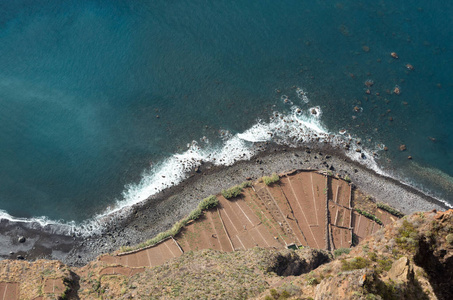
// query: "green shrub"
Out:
[347,178]
[372,256]
[369,216]
[390,210]
[208,203]
[274,295]
[232,192]
[194,214]
[246,184]
[408,236]
[407,230]
[340,251]
[354,264]
[449,238]
[312,281]
[177,227]
[125,249]
[270,180]
[285,294]
[384,265]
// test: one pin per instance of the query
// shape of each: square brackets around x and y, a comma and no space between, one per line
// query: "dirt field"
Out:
[266,219]
[384,216]
[363,226]
[339,215]
[303,209]
[54,286]
[9,290]
[150,257]
[292,210]
[341,237]
[306,194]
[277,215]
[339,192]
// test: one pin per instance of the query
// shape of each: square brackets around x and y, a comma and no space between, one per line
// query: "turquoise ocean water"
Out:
[101,99]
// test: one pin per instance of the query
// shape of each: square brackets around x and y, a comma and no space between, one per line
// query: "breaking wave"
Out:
[301,125]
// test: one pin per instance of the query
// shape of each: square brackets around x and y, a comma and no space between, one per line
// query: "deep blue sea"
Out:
[101,99]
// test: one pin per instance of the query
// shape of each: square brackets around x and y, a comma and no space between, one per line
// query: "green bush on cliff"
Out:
[178,226]
[232,192]
[270,180]
[340,251]
[408,236]
[236,190]
[275,295]
[390,210]
[354,264]
[205,204]
[194,214]
[208,203]
[369,216]
[246,184]
[347,178]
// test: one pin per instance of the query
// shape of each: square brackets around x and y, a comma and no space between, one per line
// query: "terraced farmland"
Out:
[305,208]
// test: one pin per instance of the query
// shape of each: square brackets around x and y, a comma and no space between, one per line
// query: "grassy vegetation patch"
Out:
[236,190]
[390,210]
[275,295]
[208,203]
[232,192]
[246,184]
[369,216]
[354,263]
[408,236]
[384,264]
[205,204]
[194,214]
[340,251]
[268,180]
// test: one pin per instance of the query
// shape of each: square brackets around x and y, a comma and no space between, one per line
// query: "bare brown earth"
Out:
[408,259]
[77,246]
[305,208]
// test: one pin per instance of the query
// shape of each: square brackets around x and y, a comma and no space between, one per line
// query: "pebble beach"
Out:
[144,220]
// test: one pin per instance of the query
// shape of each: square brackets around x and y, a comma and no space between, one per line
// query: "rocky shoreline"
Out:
[158,213]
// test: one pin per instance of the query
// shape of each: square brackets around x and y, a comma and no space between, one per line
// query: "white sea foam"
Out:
[45,223]
[295,128]
[301,94]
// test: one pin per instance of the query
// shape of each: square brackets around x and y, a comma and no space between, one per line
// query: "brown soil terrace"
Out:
[305,208]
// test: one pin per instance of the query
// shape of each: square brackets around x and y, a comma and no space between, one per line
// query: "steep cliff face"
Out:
[409,259]
[435,253]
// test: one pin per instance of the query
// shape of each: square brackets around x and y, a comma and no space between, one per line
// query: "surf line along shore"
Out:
[159,212]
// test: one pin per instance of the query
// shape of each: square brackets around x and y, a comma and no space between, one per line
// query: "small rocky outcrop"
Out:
[402,270]
[344,285]
[295,263]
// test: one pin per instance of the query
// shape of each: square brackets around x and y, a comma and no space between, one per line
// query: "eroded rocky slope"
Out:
[411,258]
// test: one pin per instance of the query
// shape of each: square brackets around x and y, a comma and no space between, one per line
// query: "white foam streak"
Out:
[42,223]
[288,129]
[257,133]
[296,128]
